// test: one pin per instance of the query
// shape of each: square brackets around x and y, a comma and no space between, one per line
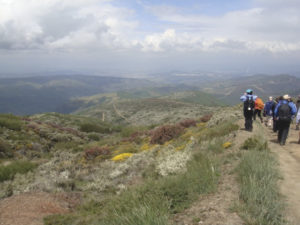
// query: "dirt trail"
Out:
[289,159]
[31,208]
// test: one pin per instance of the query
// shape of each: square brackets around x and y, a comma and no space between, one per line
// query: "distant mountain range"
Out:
[50,93]
[63,93]
[230,90]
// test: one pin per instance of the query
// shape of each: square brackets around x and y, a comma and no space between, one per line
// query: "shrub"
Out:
[166,133]
[9,172]
[226,144]
[94,152]
[188,123]
[88,127]
[11,122]
[255,143]
[94,137]
[122,157]
[219,131]
[5,149]
[206,118]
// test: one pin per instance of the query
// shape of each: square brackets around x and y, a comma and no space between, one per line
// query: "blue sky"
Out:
[140,36]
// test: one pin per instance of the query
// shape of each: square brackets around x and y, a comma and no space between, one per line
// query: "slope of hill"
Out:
[57,153]
[147,111]
[49,93]
[183,172]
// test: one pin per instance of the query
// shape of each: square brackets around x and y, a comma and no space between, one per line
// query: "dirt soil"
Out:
[31,208]
[215,209]
[289,159]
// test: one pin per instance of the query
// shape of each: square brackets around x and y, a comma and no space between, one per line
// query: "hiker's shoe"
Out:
[282,143]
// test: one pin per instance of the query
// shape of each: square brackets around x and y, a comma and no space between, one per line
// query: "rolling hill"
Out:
[49,93]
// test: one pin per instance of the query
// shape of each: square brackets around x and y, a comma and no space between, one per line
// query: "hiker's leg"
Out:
[274,125]
[251,121]
[259,115]
[254,115]
[280,129]
[285,132]
[248,121]
[269,121]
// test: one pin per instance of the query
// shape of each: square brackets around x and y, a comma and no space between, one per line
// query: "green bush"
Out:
[9,172]
[94,137]
[89,127]
[5,149]
[11,122]
[255,143]
[129,130]
[219,131]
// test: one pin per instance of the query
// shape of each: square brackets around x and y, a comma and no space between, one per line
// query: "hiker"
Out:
[277,99]
[284,112]
[298,121]
[298,108]
[248,98]
[259,106]
[268,111]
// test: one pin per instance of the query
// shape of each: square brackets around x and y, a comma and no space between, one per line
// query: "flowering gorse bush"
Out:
[122,157]
[227,144]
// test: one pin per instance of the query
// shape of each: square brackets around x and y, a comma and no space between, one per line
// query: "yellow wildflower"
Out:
[145,147]
[122,157]
[226,144]
[200,125]
[179,148]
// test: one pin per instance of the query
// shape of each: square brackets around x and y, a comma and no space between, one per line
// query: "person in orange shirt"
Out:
[259,106]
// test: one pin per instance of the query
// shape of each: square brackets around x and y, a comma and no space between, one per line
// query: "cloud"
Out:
[64,24]
[90,31]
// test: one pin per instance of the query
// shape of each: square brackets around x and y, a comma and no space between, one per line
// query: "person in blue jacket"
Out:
[298,121]
[268,111]
[248,99]
[284,112]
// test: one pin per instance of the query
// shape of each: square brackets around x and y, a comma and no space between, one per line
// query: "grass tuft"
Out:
[258,177]
[256,143]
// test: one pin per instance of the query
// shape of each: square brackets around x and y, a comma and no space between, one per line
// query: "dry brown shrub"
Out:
[93,152]
[166,133]
[206,118]
[188,123]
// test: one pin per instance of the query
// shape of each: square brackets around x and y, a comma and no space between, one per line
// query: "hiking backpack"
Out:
[284,112]
[249,104]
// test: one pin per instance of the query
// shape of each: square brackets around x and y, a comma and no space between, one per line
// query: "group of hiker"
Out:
[279,113]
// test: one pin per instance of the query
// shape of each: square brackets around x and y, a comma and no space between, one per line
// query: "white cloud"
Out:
[75,28]
[63,24]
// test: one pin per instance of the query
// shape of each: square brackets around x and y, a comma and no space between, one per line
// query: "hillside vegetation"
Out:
[146,163]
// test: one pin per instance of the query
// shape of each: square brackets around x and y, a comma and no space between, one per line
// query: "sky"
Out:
[138,37]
